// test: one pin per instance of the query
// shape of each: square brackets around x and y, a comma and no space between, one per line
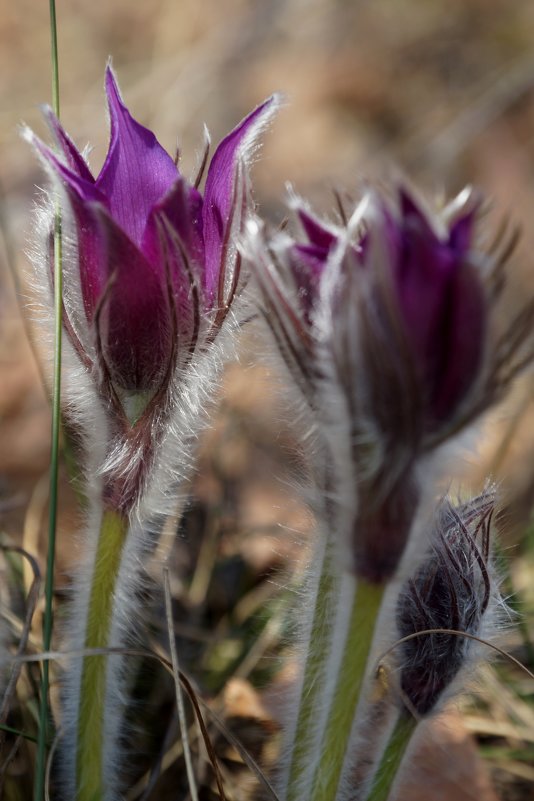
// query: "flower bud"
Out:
[389,325]
[453,589]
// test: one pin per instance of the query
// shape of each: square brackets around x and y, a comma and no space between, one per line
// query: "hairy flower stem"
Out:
[320,642]
[392,757]
[90,742]
[362,623]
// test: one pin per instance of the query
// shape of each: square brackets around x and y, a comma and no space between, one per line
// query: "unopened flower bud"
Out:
[388,323]
[454,589]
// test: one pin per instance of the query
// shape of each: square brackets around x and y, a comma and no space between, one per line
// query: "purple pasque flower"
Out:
[454,589]
[156,267]
[387,321]
[151,276]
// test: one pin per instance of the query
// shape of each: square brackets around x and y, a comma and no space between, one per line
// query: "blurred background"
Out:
[440,91]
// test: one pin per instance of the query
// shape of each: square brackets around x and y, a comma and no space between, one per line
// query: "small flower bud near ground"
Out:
[453,589]
[442,612]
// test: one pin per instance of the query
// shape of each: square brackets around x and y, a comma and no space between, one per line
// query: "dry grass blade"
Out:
[178,688]
[31,602]
[454,633]
[518,769]
[33,522]
[6,763]
[249,761]
[495,728]
[516,708]
[10,258]
[207,558]
[49,763]
[515,420]
[170,751]
[270,634]
[205,734]
[187,686]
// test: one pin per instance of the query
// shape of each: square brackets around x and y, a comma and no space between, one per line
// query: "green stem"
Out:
[314,674]
[364,614]
[40,768]
[55,57]
[90,740]
[392,757]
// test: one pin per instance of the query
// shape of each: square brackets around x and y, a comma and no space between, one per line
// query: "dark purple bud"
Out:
[451,590]
[389,326]
[442,305]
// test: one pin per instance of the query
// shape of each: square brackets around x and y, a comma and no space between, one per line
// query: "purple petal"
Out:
[461,233]
[91,253]
[82,197]
[442,305]
[74,158]
[423,267]
[137,172]
[315,231]
[307,263]
[462,329]
[84,188]
[314,257]
[173,243]
[411,214]
[220,190]
[182,209]
[135,321]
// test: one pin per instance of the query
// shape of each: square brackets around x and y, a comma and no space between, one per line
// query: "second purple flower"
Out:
[388,323]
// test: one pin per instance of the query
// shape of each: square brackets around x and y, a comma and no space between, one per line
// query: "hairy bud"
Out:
[453,589]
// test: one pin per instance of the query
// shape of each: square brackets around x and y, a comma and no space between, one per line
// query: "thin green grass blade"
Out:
[11,730]
[40,770]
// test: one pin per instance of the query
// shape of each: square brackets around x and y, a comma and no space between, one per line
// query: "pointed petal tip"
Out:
[48,112]
[57,169]
[407,203]
[288,186]
[45,153]
[52,121]
[110,80]
[206,134]
[72,156]
[295,202]
[27,134]
[276,100]
[137,172]
[113,93]
[253,125]
[269,107]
